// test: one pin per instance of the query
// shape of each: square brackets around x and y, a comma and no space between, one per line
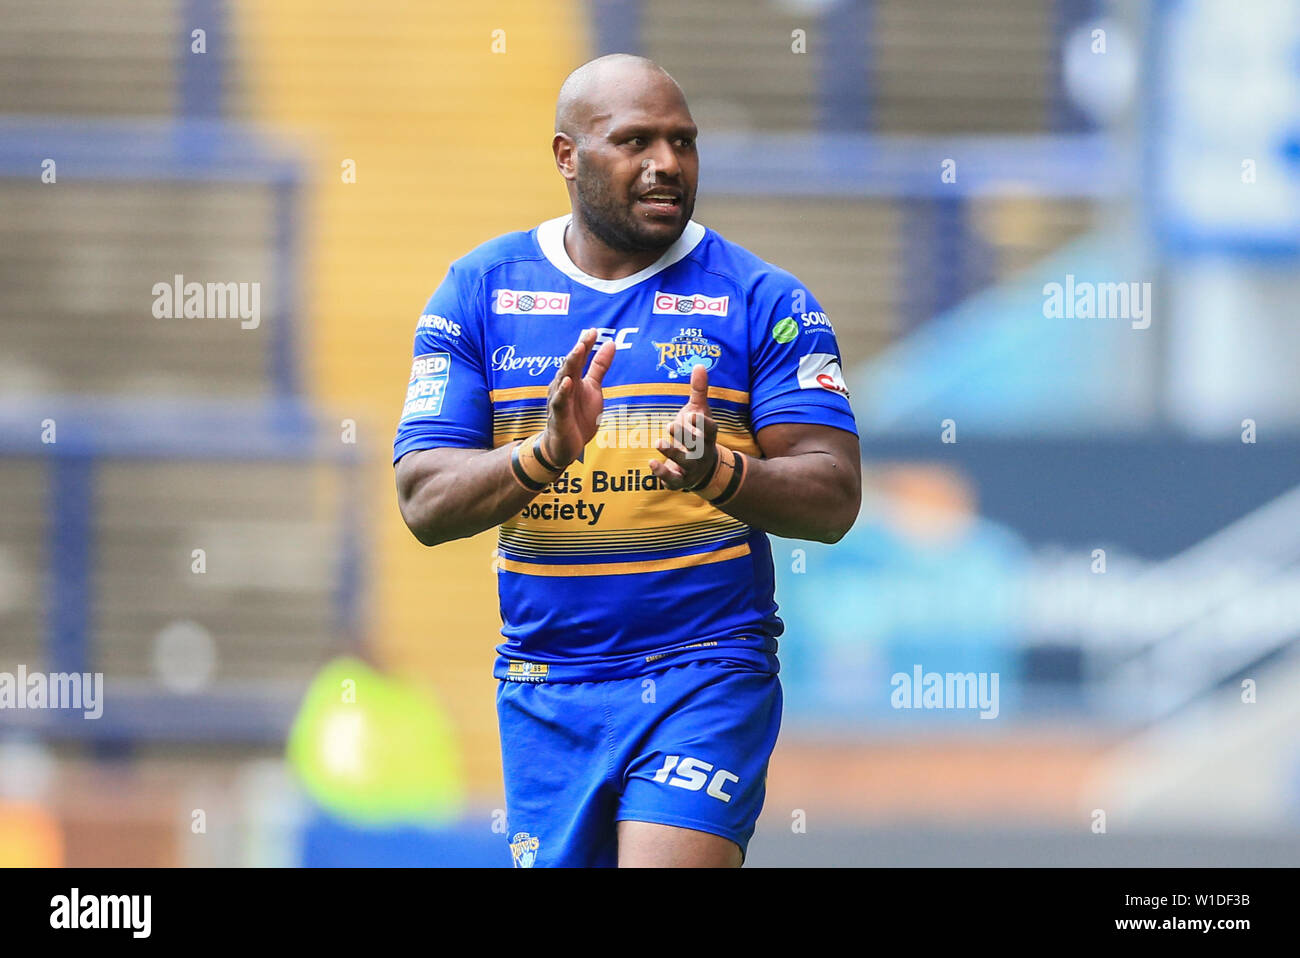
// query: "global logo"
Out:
[685,351]
[536,302]
[523,849]
[689,305]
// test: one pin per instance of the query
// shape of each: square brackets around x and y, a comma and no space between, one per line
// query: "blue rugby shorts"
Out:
[687,745]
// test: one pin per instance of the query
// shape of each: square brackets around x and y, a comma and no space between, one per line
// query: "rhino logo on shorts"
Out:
[523,849]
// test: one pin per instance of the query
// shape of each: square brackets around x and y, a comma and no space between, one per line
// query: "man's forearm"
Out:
[807,496]
[460,493]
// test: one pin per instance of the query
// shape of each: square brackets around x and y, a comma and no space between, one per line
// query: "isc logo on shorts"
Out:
[533,302]
[691,775]
[690,305]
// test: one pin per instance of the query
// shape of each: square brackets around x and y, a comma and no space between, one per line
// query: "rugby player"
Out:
[635,401]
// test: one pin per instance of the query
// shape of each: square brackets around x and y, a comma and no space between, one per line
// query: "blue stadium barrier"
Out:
[91,432]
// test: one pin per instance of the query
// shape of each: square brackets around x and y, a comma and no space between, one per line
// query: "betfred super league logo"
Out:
[685,351]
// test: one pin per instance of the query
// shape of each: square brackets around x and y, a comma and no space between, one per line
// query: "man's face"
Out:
[637,170]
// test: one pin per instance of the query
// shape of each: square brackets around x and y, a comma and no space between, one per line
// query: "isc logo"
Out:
[619,337]
[693,773]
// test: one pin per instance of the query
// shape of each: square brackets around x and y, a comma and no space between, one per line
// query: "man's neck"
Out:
[591,255]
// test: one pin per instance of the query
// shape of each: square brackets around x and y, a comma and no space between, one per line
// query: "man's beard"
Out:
[612,222]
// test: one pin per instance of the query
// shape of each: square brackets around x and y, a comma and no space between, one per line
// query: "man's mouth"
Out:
[664,201]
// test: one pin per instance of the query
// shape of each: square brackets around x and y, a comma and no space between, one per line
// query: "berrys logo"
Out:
[690,305]
[534,302]
[822,371]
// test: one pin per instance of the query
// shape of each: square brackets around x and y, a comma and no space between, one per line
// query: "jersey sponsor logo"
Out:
[428,384]
[506,360]
[816,319]
[621,338]
[822,371]
[685,351]
[520,671]
[672,303]
[439,324]
[601,482]
[533,302]
[785,331]
[523,849]
[693,773]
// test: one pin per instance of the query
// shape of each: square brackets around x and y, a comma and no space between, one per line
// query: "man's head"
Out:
[625,144]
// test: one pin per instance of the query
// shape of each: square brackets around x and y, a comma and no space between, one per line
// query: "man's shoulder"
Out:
[755,275]
[506,248]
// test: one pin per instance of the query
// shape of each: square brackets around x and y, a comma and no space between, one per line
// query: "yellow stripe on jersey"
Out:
[521,542]
[639,535]
[667,410]
[618,392]
[516,423]
[624,568]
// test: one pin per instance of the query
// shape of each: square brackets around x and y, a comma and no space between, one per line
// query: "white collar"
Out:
[550,237]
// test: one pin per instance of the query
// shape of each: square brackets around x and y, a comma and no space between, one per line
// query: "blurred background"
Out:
[1059,242]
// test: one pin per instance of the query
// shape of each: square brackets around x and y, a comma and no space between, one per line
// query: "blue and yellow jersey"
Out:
[605,574]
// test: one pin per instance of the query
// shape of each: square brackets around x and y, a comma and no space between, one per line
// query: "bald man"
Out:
[634,401]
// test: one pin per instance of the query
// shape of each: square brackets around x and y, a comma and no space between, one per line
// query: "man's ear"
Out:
[566,155]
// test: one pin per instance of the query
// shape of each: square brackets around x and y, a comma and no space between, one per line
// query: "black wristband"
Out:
[541,456]
[737,477]
[522,477]
[707,479]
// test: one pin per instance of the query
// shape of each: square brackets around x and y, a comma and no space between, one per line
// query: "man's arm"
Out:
[807,486]
[450,493]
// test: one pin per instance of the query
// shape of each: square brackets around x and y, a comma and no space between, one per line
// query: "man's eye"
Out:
[685,143]
[637,141]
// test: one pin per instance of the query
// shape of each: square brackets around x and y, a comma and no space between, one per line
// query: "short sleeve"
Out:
[447,396]
[796,376]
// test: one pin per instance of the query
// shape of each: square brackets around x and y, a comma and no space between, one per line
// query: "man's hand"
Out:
[691,445]
[574,402]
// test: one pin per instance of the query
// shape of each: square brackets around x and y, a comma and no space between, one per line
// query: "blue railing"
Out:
[91,432]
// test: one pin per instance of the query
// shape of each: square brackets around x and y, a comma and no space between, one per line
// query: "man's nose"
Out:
[663,160]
